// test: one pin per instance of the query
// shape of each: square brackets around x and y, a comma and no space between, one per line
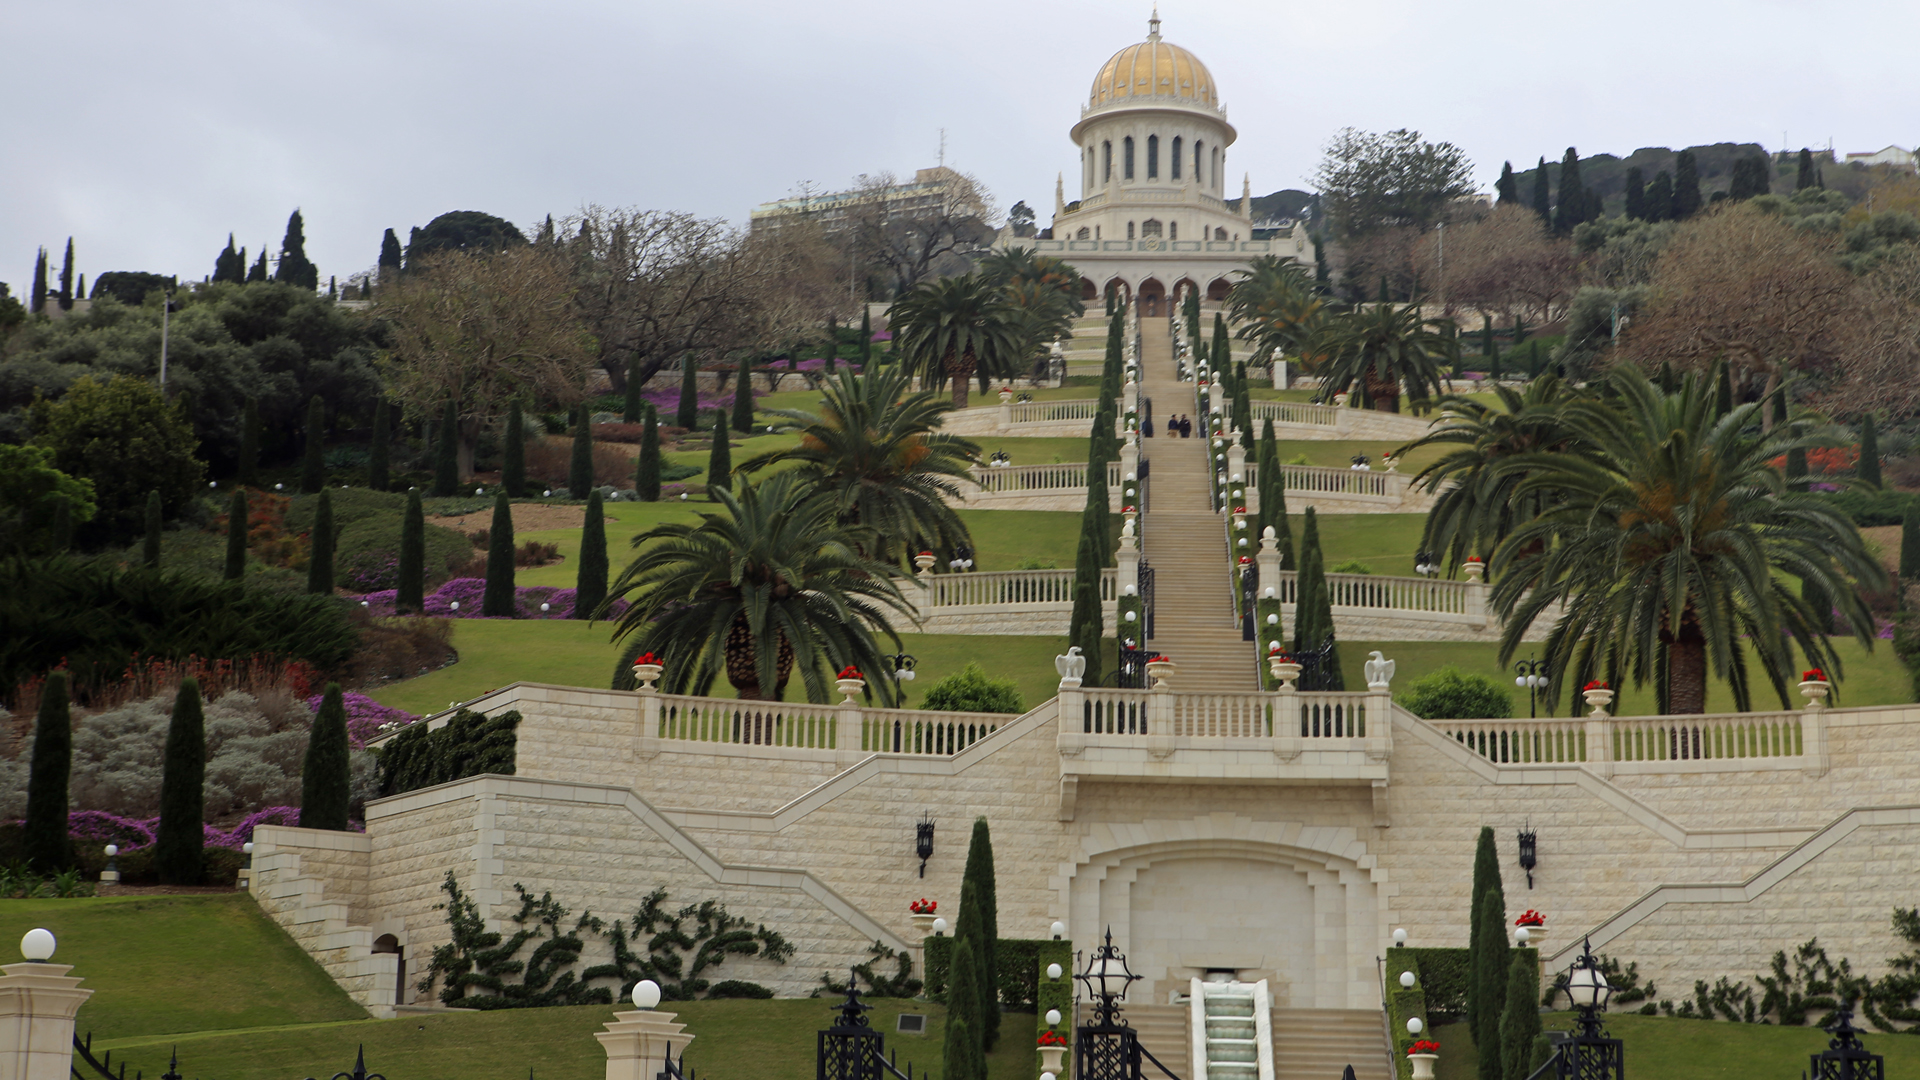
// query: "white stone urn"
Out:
[1161,672]
[1392,463]
[1284,669]
[850,688]
[1340,402]
[1815,691]
[1598,700]
[1423,1065]
[923,924]
[924,561]
[1006,394]
[1050,1058]
[647,674]
[1474,569]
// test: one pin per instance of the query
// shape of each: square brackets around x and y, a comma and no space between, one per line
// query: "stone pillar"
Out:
[1128,559]
[1236,463]
[1599,732]
[37,1005]
[848,720]
[1160,720]
[1006,410]
[1476,593]
[1813,738]
[1131,396]
[1129,465]
[1268,562]
[637,1042]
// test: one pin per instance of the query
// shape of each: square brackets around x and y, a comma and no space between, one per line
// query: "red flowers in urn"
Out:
[1239,509]
[1813,675]
[923,906]
[850,672]
[1126,509]
[1159,658]
[1531,918]
[1279,651]
[1424,1046]
[1597,684]
[647,658]
[1052,1038]
[1474,558]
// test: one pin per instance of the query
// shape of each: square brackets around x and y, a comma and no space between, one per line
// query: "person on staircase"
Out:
[1146,426]
[1173,424]
[1186,426]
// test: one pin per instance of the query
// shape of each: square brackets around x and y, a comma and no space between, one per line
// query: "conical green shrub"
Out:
[410,590]
[1520,1020]
[247,473]
[236,567]
[320,547]
[646,476]
[590,587]
[180,841]
[513,454]
[720,459]
[630,410]
[326,774]
[313,470]
[46,844]
[689,414]
[446,452]
[986,926]
[580,465]
[497,601]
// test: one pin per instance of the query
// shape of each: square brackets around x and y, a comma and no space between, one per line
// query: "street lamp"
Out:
[1425,564]
[1533,674]
[962,560]
[903,666]
[1107,1049]
[1590,1054]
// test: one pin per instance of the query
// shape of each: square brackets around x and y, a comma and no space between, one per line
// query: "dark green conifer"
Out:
[1868,470]
[1542,194]
[1722,390]
[590,587]
[833,343]
[720,458]
[985,925]
[963,1053]
[37,298]
[65,295]
[866,338]
[237,536]
[1313,606]
[580,464]
[1572,207]
[743,399]
[1085,624]
[1636,194]
[497,601]
[630,408]
[1507,187]
[326,774]
[1486,874]
[446,452]
[389,255]
[1659,200]
[1520,1019]
[1686,186]
[230,265]
[1272,481]
[410,588]
[180,841]
[689,416]
[258,272]
[378,446]
[1910,542]
[513,453]
[46,844]
[646,477]
[294,267]
[1803,180]
[1491,964]
[313,466]
[150,548]
[320,549]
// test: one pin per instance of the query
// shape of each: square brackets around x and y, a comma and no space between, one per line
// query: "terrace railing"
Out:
[1037,412]
[1379,591]
[1328,480]
[1768,740]
[747,723]
[1295,412]
[1009,589]
[1061,476]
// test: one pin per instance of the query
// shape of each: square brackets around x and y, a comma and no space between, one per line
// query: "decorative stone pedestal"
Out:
[637,1042]
[1423,1065]
[37,1005]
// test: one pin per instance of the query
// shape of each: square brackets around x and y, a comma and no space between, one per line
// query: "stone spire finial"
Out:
[1059,193]
[1246,194]
[1153,25]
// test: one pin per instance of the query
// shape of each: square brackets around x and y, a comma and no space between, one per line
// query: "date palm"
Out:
[771,583]
[875,450]
[1475,504]
[1670,540]
[1382,348]
[955,329]
[1277,308]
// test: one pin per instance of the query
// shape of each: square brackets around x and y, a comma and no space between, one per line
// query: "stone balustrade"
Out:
[1006,601]
[1645,744]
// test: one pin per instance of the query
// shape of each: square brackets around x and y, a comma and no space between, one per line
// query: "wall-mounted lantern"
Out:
[1528,854]
[923,842]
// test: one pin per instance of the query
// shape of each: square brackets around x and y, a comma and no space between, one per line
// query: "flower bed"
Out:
[468,592]
[366,718]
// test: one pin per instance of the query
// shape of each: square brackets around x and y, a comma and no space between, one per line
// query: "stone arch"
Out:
[1182,287]
[1152,227]
[390,945]
[1088,290]
[1153,299]
[1305,907]
[1218,288]
[1119,287]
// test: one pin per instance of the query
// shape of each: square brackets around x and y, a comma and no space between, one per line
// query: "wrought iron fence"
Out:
[851,1049]
[1316,667]
[1145,582]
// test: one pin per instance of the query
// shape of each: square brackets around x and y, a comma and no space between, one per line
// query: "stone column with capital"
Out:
[1477,592]
[637,1042]
[1237,466]
[37,1006]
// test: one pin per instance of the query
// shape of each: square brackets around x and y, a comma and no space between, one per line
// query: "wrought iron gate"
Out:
[1145,585]
[1316,667]
[1249,584]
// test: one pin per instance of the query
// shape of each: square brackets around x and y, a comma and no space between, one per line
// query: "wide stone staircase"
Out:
[1163,1032]
[1184,540]
[1318,1044]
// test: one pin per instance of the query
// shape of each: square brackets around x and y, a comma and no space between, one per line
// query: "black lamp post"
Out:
[1532,677]
[1107,1049]
[923,842]
[962,560]
[1529,855]
[1845,1058]
[1590,1054]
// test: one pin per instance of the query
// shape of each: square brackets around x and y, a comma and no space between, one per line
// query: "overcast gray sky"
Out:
[148,131]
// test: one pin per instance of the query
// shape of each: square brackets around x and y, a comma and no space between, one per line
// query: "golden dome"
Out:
[1154,68]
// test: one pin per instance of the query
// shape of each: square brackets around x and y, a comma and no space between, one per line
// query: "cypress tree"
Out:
[295,268]
[65,295]
[313,471]
[1723,390]
[326,775]
[497,601]
[689,417]
[1686,186]
[1868,470]
[1801,182]
[37,299]
[743,399]
[1490,967]
[389,254]
[237,536]
[580,465]
[513,454]
[1101,452]
[247,473]
[630,408]
[1507,187]
[180,841]
[1313,606]
[47,847]
[963,1054]
[1486,874]
[1272,480]
[320,553]
[1636,194]
[720,459]
[258,272]
[1542,194]
[1659,200]
[382,439]
[1520,1021]
[986,927]
[590,588]
[1085,625]
[1572,209]
[646,477]
[150,550]
[411,588]
[446,452]
[1486,336]
[833,343]
[1910,542]
[866,338]
[230,265]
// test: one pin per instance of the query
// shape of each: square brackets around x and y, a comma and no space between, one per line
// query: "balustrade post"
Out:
[1599,732]
[1128,559]
[1160,720]
[1006,407]
[1476,592]
[1236,461]
[1813,740]
[848,721]
[649,722]
[37,1006]
[637,1042]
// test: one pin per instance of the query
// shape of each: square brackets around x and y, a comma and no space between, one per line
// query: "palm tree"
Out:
[1669,539]
[1277,308]
[876,451]
[1475,505]
[773,582]
[1381,347]
[956,328]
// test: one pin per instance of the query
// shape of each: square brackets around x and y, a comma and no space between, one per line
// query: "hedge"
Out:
[470,744]
[1870,508]
[1018,960]
[369,541]
[1055,993]
[1444,975]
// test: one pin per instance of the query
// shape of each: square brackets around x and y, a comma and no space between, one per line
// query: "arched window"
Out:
[1150,227]
[1173,159]
[1219,234]
[1153,157]
[1198,176]
[1127,151]
[1106,162]
[1086,172]
[1129,230]
[1173,227]
[1082,234]
[1096,232]
[1216,167]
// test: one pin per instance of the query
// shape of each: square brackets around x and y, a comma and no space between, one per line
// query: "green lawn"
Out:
[166,964]
[1036,449]
[1386,543]
[1339,453]
[1665,1048]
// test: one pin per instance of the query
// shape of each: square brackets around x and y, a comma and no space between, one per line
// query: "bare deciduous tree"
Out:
[1505,264]
[911,231]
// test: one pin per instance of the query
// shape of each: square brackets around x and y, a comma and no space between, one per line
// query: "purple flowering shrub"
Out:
[370,571]
[365,716]
[95,829]
[468,592]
